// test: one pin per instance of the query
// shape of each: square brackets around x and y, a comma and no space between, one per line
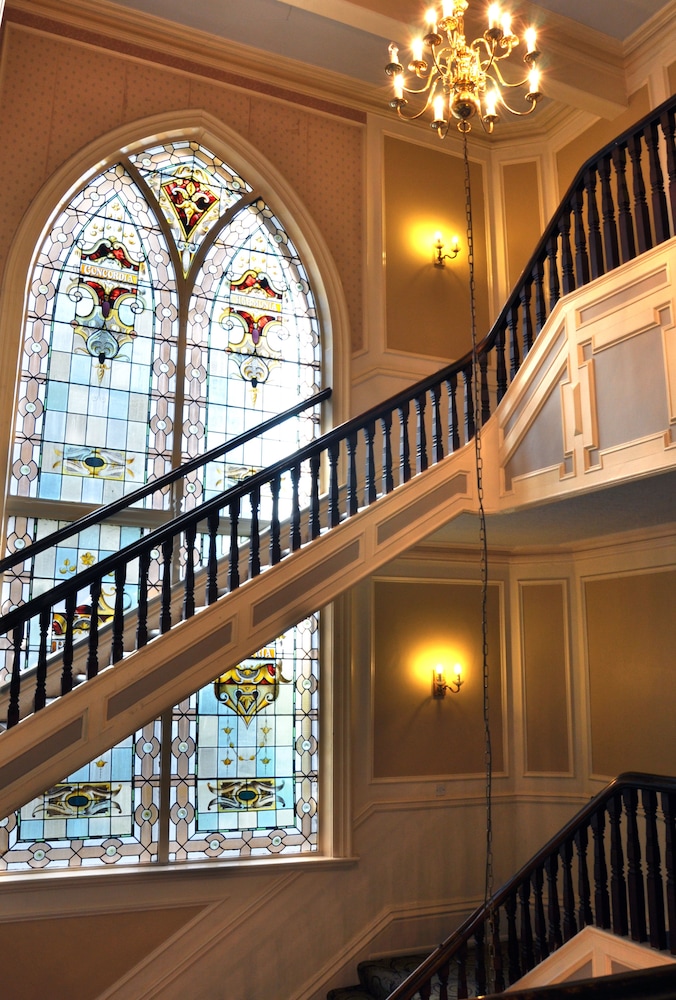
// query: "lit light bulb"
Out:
[507,25]
[531,40]
[417,49]
[431,20]
[494,15]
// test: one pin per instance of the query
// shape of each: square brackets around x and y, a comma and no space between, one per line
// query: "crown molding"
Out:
[584,69]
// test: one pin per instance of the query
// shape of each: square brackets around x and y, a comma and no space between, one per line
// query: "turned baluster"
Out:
[295,507]
[334,508]
[539,922]
[213,521]
[421,434]
[634,872]
[142,613]
[483,383]
[669,813]
[627,245]
[618,886]
[594,242]
[453,429]
[569,921]
[13,714]
[461,962]
[500,361]
[386,427]
[567,276]
[601,896]
[584,910]
[41,673]
[526,930]
[443,974]
[668,122]
[254,533]
[370,473]
[514,969]
[352,501]
[93,638]
[608,211]
[437,434]
[404,447]
[275,544]
[469,402]
[553,270]
[315,526]
[658,935]
[526,318]
[514,356]
[165,605]
[233,564]
[479,959]
[555,938]
[498,969]
[539,283]
[581,256]
[189,588]
[118,619]
[658,197]
[641,212]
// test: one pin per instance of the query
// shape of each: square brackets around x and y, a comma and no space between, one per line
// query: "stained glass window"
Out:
[168,311]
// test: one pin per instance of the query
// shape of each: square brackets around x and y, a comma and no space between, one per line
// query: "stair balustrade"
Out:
[612,866]
[618,206]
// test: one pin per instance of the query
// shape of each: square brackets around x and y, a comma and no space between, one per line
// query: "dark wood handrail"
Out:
[478,921]
[430,419]
[162,482]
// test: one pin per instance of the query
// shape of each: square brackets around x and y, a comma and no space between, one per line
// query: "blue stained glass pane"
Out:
[107,330]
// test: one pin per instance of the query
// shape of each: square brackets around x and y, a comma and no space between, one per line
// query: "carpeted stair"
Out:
[379,977]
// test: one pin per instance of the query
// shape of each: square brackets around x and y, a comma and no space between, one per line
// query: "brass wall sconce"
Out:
[439,256]
[440,685]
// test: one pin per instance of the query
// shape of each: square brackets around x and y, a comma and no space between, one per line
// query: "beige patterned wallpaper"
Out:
[61,93]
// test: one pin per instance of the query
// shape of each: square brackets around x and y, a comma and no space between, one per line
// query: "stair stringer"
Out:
[69,732]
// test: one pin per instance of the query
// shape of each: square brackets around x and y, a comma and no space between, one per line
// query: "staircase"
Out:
[378,484]
[590,874]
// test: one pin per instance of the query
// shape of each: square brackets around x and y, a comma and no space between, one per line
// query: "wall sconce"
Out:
[439,684]
[440,256]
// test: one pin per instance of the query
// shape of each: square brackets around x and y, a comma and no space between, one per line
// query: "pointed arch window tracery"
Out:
[168,310]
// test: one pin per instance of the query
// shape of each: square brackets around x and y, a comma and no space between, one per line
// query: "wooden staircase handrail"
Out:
[444,954]
[622,229]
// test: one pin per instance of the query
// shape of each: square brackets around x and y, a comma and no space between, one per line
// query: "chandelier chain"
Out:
[476,403]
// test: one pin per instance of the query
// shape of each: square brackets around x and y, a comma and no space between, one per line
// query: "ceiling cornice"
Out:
[584,69]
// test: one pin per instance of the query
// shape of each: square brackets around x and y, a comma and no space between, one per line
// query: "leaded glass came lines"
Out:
[168,310]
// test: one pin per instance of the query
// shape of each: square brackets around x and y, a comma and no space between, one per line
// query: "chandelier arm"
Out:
[412,117]
[423,90]
[521,114]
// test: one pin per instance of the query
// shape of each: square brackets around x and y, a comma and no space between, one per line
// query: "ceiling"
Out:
[351,36]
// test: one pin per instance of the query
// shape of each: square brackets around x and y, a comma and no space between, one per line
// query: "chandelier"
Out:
[460,80]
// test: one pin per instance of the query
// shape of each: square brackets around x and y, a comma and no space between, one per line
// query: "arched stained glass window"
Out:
[168,311]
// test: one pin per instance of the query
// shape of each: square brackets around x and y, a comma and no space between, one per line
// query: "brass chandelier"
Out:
[459,80]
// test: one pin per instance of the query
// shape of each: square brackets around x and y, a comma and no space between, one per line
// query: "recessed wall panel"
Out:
[545,666]
[416,625]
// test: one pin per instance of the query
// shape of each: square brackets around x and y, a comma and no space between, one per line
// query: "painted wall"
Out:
[428,310]
[61,93]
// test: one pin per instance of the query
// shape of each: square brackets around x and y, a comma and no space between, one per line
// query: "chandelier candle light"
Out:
[460,80]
